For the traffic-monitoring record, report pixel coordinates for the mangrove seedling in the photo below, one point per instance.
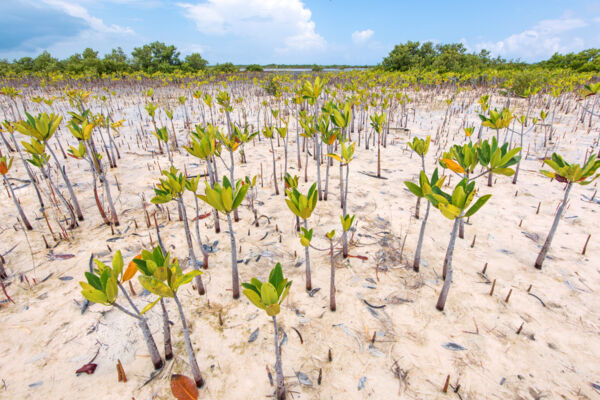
(5, 165)
(149, 262)
(172, 187)
(204, 146)
(565, 172)
(268, 296)
(421, 147)
(268, 132)
(422, 190)
(454, 207)
(162, 135)
(82, 130)
(496, 121)
(328, 136)
(303, 207)
(378, 122)
(292, 182)
(151, 110)
(103, 286)
(330, 235)
(462, 160)
(226, 199)
(39, 158)
(244, 136)
(43, 128)
(251, 196)
(163, 277)
(191, 184)
(346, 155)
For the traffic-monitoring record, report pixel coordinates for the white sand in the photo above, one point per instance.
(44, 337)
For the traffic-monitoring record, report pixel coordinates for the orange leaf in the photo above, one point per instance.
(121, 372)
(453, 165)
(183, 388)
(202, 216)
(131, 269)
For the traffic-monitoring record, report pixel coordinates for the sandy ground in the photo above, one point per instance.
(45, 338)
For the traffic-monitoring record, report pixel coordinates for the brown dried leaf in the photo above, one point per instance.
(183, 388)
(87, 368)
(121, 372)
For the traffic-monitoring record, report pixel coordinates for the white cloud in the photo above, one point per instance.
(194, 48)
(360, 37)
(540, 41)
(77, 11)
(287, 24)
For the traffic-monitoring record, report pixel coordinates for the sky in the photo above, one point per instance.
(295, 31)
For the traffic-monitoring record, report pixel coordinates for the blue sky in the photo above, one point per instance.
(296, 31)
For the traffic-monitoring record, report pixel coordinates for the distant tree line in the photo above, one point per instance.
(453, 57)
(160, 57)
(584, 61)
(150, 58)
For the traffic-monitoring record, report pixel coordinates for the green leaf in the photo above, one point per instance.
(141, 265)
(292, 206)
(240, 196)
(276, 275)
(268, 294)
(504, 171)
(449, 211)
(458, 197)
(149, 306)
(251, 287)
(161, 199)
(104, 278)
(509, 155)
(213, 198)
(272, 309)
(254, 298)
(112, 290)
(285, 292)
(160, 273)
(155, 286)
(95, 296)
(227, 198)
(187, 278)
(94, 280)
(117, 263)
(478, 204)
(416, 190)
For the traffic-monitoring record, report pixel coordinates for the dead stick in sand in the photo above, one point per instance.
(402, 248)
(585, 245)
(520, 329)
(508, 296)
(445, 388)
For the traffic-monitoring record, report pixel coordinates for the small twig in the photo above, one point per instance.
(508, 296)
(299, 335)
(541, 301)
(493, 286)
(445, 388)
(5, 292)
(270, 375)
(372, 306)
